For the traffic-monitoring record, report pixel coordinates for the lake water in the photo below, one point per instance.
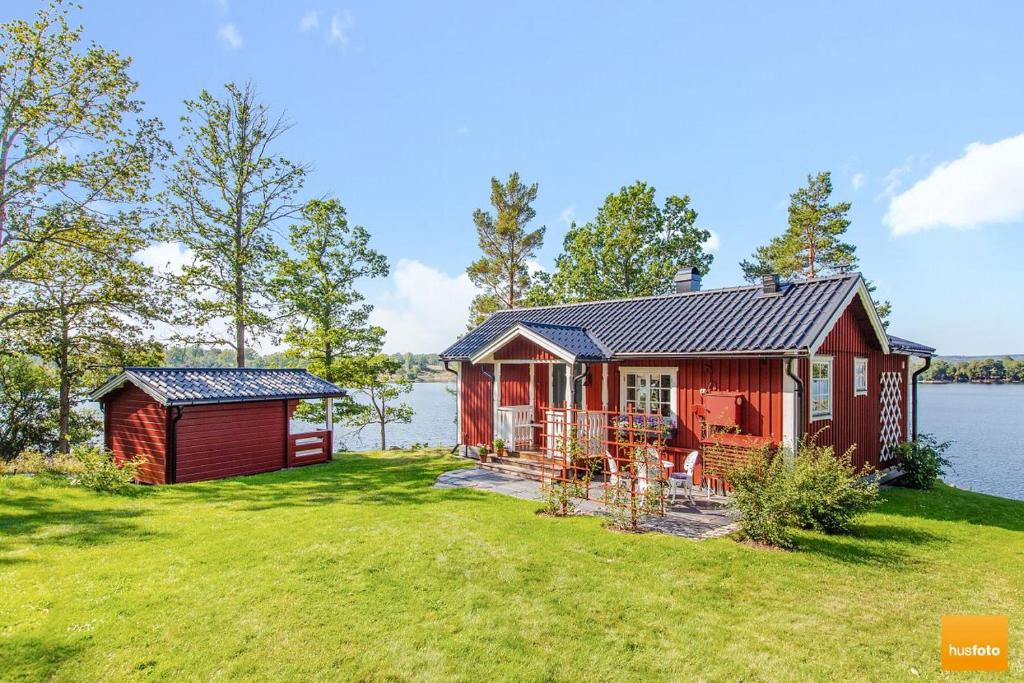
(986, 424)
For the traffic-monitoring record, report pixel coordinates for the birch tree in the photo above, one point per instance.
(228, 190)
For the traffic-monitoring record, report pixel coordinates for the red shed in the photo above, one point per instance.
(192, 424)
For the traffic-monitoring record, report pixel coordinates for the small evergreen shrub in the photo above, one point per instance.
(99, 471)
(828, 491)
(922, 461)
(762, 497)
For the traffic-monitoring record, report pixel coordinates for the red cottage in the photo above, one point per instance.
(194, 424)
(731, 368)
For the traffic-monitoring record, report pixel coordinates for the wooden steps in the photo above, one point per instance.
(523, 465)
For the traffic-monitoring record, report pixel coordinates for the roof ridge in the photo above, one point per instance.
(147, 368)
(734, 288)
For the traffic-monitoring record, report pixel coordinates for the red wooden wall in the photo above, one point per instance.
(758, 380)
(228, 439)
(515, 384)
(856, 420)
(136, 424)
(521, 348)
(477, 403)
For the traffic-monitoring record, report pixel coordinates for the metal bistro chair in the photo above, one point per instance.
(684, 478)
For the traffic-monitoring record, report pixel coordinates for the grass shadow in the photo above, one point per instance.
(873, 544)
(948, 504)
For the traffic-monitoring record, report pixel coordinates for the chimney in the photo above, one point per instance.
(770, 283)
(687, 280)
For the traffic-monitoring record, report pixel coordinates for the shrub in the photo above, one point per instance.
(101, 473)
(762, 496)
(499, 444)
(828, 491)
(922, 460)
(35, 462)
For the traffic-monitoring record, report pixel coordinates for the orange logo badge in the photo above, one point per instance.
(975, 643)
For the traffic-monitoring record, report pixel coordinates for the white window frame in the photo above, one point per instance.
(672, 372)
(860, 362)
(821, 414)
(579, 393)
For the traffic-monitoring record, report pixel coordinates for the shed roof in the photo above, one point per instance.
(191, 386)
(900, 345)
(731, 320)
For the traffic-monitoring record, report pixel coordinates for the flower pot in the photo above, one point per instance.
(483, 455)
(501, 452)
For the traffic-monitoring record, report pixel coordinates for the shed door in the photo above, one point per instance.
(891, 398)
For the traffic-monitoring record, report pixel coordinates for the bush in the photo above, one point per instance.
(922, 461)
(101, 473)
(35, 462)
(762, 495)
(828, 491)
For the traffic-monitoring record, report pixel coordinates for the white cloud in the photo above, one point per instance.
(568, 214)
(229, 37)
(713, 241)
(985, 185)
(424, 310)
(534, 266)
(165, 257)
(310, 21)
(341, 27)
(858, 180)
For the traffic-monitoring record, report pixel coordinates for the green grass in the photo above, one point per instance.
(360, 570)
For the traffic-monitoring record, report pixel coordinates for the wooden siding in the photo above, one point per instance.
(515, 384)
(136, 424)
(856, 420)
(229, 439)
(759, 381)
(477, 403)
(541, 372)
(521, 348)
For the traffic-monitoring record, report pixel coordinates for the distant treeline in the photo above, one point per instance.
(415, 367)
(1007, 369)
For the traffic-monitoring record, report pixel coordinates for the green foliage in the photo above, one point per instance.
(70, 138)
(995, 370)
(923, 461)
(99, 471)
(774, 490)
(329, 326)
(28, 404)
(829, 492)
(633, 247)
(57, 468)
(499, 443)
(227, 192)
(763, 496)
(506, 245)
(376, 379)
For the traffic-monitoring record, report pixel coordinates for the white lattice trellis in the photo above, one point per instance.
(892, 408)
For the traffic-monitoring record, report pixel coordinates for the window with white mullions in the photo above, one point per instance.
(860, 376)
(821, 388)
(649, 392)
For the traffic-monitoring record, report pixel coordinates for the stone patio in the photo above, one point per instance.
(702, 519)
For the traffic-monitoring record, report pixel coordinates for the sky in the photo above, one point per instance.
(406, 111)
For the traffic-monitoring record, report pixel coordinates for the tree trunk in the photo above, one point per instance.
(239, 343)
(64, 399)
(383, 438)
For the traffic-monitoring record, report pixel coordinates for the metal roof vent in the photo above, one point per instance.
(687, 280)
(770, 283)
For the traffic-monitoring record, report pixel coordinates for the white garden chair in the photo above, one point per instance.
(650, 468)
(686, 480)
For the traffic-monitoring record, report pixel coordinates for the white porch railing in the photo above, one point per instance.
(515, 426)
(591, 430)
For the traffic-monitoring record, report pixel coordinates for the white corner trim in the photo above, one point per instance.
(790, 428)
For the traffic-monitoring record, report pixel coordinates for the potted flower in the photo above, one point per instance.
(499, 447)
(481, 450)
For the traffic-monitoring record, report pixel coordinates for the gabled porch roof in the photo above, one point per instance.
(569, 343)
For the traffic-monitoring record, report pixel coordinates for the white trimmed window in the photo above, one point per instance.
(559, 385)
(649, 390)
(860, 376)
(821, 388)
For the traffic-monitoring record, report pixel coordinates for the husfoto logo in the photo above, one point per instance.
(975, 643)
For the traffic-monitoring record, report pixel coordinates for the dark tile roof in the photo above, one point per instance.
(901, 345)
(713, 321)
(576, 340)
(187, 386)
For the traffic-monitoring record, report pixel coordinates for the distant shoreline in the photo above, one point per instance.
(971, 381)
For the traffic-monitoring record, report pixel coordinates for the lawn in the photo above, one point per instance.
(360, 570)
